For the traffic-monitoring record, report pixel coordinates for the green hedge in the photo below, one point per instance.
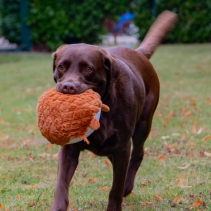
(10, 20)
(194, 23)
(63, 21)
(55, 22)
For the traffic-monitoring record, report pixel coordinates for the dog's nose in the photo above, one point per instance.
(69, 88)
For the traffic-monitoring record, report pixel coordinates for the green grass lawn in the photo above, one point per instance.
(175, 173)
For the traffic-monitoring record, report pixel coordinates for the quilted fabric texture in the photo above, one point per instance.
(62, 117)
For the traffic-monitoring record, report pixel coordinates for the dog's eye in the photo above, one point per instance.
(88, 69)
(61, 68)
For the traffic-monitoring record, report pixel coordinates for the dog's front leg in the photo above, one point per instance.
(67, 163)
(120, 160)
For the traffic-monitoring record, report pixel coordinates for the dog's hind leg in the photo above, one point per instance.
(141, 132)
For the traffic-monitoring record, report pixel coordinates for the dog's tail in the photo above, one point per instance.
(162, 25)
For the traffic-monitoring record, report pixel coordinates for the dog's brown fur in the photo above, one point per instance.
(129, 85)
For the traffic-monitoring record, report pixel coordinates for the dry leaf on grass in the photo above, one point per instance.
(194, 128)
(208, 154)
(185, 186)
(170, 114)
(105, 188)
(158, 198)
(196, 203)
(107, 163)
(92, 180)
(182, 181)
(70, 204)
(143, 185)
(183, 136)
(1, 206)
(29, 186)
(32, 204)
(146, 203)
(163, 123)
(49, 156)
(206, 138)
(5, 138)
(188, 113)
(49, 147)
(27, 142)
(184, 167)
(177, 199)
(18, 197)
(161, 158)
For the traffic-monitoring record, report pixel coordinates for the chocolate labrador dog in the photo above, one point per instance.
(129, 85)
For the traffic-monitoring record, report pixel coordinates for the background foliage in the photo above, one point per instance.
(55, 22)
(10, 20)
(194, 25)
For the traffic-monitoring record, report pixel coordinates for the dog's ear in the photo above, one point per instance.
(110, 65)
(54, 56)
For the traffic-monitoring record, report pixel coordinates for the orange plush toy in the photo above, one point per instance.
(66, 118)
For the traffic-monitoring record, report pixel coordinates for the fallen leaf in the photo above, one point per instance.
(184, 167)
(49, 147)
(92, 180)
(182, 181)
(197, 203)
(158, 198)
(185, 186)
(170, 114)
(200, 130)
(191, 144)
(208, 154)
(146, 203)
(161, 158)
(27, 142)
(183, 137)
(105, 188)
(206, 138)
(1, 206)
(158, 113)
(107, 163)
(188, 113)
(163, 123)
(143, 185)
(30, 186)
(177, 199)
(194, 128)
(5, 138)
(45, 155)
(31, 159)
(55, 156)
(32, 204)
(18, 197)
(32, 129)
(70, 203)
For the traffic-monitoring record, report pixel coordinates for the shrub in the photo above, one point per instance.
(55, 22)
(10, 20)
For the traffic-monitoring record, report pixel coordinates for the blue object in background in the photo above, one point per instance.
(126, 17)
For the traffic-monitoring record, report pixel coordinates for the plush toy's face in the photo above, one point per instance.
(79, 67)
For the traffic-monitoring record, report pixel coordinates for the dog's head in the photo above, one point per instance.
(78, 67)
